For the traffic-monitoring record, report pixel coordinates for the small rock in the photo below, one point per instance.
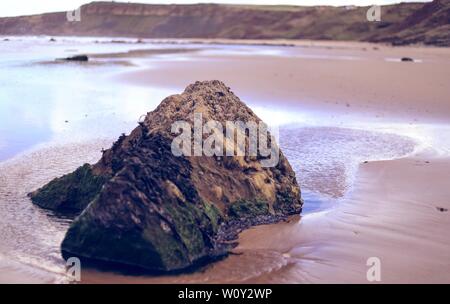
(77, 58)
(440, 209)
(407, 59)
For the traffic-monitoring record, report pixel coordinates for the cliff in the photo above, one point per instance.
(401, 23)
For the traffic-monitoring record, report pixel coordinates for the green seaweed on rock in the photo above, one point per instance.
(73, 191)
(242, 209)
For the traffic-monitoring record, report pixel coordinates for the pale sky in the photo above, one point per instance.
(28, 7)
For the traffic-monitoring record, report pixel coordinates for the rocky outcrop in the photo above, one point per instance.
(150, 208)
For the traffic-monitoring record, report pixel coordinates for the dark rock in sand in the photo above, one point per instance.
(82, 58)
(407, 59)
(154, 210)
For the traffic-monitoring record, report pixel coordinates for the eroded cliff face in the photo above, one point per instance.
(429, 24)
(401, 23)
(157, 210)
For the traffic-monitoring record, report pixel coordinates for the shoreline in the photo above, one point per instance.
(42, 261)
(239, 42)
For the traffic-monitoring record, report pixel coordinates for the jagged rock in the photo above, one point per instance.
(72, 192)
(162, 212)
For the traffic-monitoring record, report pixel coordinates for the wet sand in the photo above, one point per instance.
(397, 210)
(395, 214)
(139, 53)
(31, 236)
(337, 78)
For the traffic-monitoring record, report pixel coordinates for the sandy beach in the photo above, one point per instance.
(333, 77)
(396, 210)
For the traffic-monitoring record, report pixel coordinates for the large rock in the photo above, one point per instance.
(155, 210)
